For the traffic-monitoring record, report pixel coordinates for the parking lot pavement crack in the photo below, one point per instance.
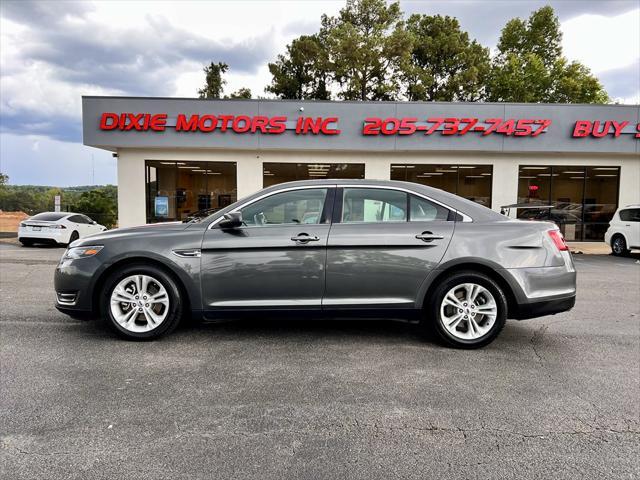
(536, 339)
(381, 430)
(20, 451)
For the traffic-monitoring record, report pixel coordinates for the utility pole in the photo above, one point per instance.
(93, 171)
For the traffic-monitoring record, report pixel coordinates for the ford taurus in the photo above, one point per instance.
(329, 247)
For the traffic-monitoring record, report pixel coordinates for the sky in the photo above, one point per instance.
(53, 52)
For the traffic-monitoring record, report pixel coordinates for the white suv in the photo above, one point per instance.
(624, 230)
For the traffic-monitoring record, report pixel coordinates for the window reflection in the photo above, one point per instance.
(176, 190)
(581, 200)
(275, 173)
(469, 181)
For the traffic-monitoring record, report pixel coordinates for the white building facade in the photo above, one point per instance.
(179, 156)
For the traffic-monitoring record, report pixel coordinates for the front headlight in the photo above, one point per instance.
(82, 252)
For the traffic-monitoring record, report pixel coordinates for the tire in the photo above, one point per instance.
(468, 327)
(74, 236)
(26, 242)
(619, 246)
(140, 325)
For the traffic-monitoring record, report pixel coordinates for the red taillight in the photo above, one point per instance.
(558, 240)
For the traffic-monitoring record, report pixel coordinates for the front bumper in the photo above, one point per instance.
(74, 282)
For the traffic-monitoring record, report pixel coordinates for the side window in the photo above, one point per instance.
(294, 207)
(76, 219)
(630, 215)
(86, 219)
(373, 205)
(422, 210)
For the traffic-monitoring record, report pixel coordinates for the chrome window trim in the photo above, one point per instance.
(249, 202)
(465, 217)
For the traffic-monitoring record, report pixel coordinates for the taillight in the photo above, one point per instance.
(58, 226)
(22, 224)
(558, 240)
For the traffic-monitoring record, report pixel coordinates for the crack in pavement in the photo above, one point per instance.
(377, 428)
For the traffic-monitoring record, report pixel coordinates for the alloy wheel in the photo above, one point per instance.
(139, 303)
(618, 246)
(468, 311)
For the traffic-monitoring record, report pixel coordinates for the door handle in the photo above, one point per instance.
(428, 237)
(304, 238)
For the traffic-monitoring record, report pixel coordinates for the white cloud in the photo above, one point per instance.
(52, 53)
(603, 43)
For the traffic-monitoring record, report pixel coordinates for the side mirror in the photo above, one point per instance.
(93, 222)
(231, 220)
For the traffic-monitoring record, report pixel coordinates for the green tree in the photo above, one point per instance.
(444, 64)
(240, 93)
(367, 44)
(214, 83)
(303, 72)
(530, 67)
(99, 204)
(4, 179)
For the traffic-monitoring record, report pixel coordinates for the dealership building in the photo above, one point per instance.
(578, 163)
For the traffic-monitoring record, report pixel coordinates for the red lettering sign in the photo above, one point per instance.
(599, 129)
(133, 121)
(372, 126)
(455, 126)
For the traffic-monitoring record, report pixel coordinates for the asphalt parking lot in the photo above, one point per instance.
(556, 397)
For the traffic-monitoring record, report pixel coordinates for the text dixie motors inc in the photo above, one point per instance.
(243, 124)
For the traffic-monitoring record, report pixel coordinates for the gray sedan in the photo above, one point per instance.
(326, 247)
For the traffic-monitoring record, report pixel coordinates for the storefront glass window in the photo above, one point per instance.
(581, 200)
(177, 190)
(469, 181)
(275, 173)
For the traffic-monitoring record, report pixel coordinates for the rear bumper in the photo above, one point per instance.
(542, 291)
(540, 309)
(50, 235)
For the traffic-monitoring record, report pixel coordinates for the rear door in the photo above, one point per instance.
(630, 223)
(383, 244)
(80, 225)
(276, 260)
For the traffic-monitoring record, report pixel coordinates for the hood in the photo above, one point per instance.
(149, 229)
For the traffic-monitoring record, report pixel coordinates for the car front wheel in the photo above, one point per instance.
(619, 246)
(468, 310)
(141, 302)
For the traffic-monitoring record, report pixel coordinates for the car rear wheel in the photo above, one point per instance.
(74, 236)
(141, 302)
(467, 310)
(619, 246)
(26, 242)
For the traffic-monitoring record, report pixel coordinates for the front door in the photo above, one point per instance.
(382, 246)
(276, 259)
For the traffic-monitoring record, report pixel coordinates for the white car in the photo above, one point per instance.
(57, 227)
(623, 234)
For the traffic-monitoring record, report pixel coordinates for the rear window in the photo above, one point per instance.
(49, 216)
